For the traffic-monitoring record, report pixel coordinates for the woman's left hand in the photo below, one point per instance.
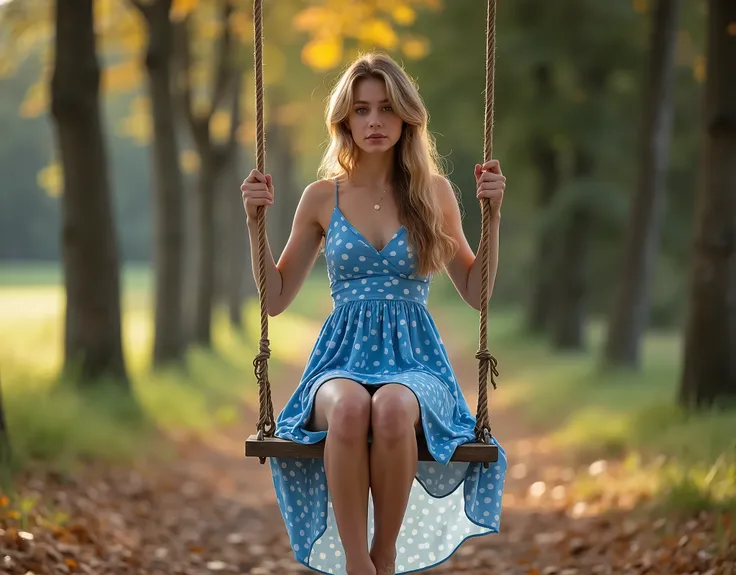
(491, 184)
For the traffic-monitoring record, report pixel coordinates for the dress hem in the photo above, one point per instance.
(489, 531)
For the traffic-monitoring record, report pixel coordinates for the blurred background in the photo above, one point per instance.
(126, 294)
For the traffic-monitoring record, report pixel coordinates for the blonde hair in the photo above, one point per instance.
(417, 160)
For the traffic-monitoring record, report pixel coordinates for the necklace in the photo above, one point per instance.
(377, 205)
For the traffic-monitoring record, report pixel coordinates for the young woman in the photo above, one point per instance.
(379, 372)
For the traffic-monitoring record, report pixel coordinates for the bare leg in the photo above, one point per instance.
(393, 464)
(343, 408)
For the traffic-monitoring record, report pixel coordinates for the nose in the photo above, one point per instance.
(374, 122)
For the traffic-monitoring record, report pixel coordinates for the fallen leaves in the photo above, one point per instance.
(210, 511)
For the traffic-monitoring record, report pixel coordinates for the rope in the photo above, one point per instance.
(266, 422)
(486, 362)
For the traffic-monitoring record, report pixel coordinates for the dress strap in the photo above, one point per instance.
(335, 192)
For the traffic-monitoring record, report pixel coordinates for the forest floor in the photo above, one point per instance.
(210, 510)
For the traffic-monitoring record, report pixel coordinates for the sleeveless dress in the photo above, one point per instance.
(380, 331)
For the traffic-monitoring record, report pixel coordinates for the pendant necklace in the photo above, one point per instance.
(377, 206)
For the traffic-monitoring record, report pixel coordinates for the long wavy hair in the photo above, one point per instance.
(416, 159)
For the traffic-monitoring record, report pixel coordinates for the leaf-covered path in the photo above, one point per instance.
(209, 510)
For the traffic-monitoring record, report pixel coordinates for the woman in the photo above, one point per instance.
(379, 372)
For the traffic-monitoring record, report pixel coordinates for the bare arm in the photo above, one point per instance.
(465, 268)
(283, 280)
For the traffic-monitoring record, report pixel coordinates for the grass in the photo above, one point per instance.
(53, 423)
(686, 460)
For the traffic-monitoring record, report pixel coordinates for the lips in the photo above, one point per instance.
(376, 137)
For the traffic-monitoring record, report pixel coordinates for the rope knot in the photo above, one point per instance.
(260, 362)
(488, 364)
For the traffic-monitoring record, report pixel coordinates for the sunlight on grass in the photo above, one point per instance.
(51, 422)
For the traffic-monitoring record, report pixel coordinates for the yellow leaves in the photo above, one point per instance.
(403, 15)
(373, 24)
(189, 161)
(415, 48)
(242, 26)
(181, 8)
(323, 53)
(36, 100)
(314, 18)
(220, 126)
(137, 124)
(126, 75)
(378, 33)
(731, 29)
(51, 179)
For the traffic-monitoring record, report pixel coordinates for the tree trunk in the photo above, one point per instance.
(630, 313)
(238, 254)
(205, 250)
(543, 281)
(709, 367)
(568, 326)
(281, 215)
(93, 346)
(224, 199)
(169, 343)
(546, 162)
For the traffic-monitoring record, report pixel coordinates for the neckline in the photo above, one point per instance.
(357, 232)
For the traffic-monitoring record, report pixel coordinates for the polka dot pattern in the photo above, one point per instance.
(380, 331)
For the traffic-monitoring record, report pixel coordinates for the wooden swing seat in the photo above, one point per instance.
(275, 447)
(263, 445)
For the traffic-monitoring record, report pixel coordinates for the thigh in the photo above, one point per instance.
(330, 394)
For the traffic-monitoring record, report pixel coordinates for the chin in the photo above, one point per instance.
(377, 147)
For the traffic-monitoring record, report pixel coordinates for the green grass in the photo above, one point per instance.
(51, 422)
(687, 460)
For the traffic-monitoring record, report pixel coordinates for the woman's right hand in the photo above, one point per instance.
(257, 190)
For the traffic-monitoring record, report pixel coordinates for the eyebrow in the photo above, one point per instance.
(364, 102)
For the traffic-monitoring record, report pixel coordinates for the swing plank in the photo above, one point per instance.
(275, 447)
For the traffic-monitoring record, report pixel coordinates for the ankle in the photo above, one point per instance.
(362, 567)
(384, 558)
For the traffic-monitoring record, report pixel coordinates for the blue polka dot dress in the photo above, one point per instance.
(380, 331)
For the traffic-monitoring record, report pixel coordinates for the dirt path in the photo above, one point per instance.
(212, 511)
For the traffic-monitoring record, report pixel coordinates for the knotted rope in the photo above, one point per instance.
(266, 422)
(487, 364)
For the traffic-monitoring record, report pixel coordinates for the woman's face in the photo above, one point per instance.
(373, 124)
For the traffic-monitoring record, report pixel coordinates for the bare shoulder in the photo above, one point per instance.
(319, 190)
(317, 201)
(444, 192)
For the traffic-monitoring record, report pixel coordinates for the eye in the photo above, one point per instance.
(388, 109)
(361, 110)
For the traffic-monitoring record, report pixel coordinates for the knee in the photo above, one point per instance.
(394, 415)
(350, 418)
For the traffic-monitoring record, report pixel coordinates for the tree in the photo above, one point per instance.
(213, 155)
(709, 362)
(547, 162)
(168, 188)
(630, 312)
(89, 244)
